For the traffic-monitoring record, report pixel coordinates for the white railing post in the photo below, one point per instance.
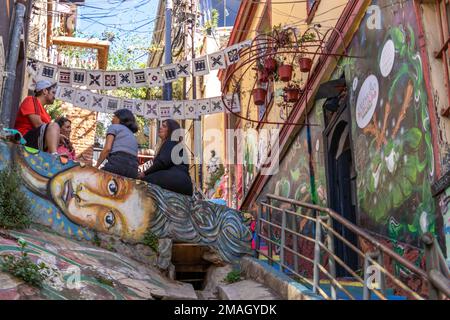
(380, 261)
(295, 238)
(258, 231)
(283, 239)
(331, 261)
(316, 274)
(269, 229)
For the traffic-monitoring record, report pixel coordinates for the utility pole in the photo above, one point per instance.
(197, 122)
(11, 64)
(168, 47)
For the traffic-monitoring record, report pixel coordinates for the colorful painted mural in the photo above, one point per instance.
(83, 272)
(76, 200)
(294, 181)
(444, 203)
(391, 125)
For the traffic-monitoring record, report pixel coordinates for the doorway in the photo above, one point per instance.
(341, 177)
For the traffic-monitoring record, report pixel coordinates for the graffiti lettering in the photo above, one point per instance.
(374, 20)
(374, 277)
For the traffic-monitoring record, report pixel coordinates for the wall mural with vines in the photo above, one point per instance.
(293, 181)
(391, 125)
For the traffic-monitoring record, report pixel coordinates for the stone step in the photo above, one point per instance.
(246, 290)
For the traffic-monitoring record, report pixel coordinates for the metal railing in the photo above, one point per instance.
(282, 225)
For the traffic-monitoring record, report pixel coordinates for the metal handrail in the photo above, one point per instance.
(436, 278)
(355, 229)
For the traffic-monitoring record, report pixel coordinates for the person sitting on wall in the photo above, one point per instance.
(164, 172)
(34, 123)
(121, 147)
(66, 148)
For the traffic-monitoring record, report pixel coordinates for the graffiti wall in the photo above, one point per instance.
(444, 203)
(390, 124)
(294, 181)
(81, 271)
(76, 200)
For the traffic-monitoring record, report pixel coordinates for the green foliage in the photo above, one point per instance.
(151, 240)
(15, 210)
(309, 36)
(212, 24)
(100, 131)
(23, 268)
(96, 240)
(104, 281)
(233, 276)
(54, 110)
(215, 177)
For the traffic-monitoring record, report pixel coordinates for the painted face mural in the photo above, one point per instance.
(100, 201)
(77, 200)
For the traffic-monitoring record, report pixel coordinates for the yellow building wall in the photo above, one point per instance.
(293, 14)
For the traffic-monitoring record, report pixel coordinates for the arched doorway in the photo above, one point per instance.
(341, 178)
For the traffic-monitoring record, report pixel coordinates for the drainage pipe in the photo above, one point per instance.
(11, 64)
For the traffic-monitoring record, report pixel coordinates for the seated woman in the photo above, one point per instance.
(121, 147)
(66, 148)
(164, 172)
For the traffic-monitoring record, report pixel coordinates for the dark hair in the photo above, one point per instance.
(41, 92)
(61, 121)
(127, 119)
(172, 125)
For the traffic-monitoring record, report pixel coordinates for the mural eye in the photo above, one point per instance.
(110, 220)
(112, 187)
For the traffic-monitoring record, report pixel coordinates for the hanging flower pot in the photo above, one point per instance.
(291, 94)
(305, 64)
(259, 96)
(285, 72)
(270, 64)
(263, 77)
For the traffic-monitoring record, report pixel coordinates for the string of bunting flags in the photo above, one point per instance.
(149, 77)
(149, 109)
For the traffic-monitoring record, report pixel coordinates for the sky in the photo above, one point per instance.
(126, 18)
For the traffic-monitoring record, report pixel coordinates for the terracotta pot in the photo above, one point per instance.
(259, 96)
(291, 94)
(270, 64)
(285, 72)
(263, 77)
(305, 64)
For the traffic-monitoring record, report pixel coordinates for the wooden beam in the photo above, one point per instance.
(102, 47)
(49, 23)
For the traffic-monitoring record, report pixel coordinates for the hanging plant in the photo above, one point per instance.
(292, 92)
(285, 72)
(263, 77)
(291, 95)
(270, 64)
(305, 64)
(259, 96)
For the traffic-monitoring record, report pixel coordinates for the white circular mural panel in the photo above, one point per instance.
(367, 101)
(387, 58)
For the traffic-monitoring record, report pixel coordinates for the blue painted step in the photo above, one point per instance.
(358, 292)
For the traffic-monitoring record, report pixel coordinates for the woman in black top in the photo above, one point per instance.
(164, 172)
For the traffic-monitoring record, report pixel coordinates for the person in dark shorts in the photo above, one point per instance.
(33, 121)
(165, 172)
(121, 147)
